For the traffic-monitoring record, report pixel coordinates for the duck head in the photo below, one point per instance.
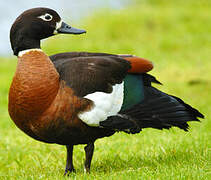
(36, 24)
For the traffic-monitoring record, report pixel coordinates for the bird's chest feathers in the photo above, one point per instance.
(34, 85)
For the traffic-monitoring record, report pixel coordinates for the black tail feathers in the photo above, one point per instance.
(157, 110)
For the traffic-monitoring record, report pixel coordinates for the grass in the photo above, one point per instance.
(176, 37)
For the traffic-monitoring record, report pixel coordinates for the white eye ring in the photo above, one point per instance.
(46, 17)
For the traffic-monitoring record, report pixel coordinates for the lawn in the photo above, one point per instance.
(176, 36)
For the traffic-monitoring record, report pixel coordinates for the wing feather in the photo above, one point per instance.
(92, 72)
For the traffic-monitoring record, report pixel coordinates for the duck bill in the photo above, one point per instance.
(66, 29)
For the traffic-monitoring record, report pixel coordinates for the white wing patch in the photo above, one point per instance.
(105, 105)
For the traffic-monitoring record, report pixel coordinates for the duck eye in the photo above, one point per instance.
(46, 17)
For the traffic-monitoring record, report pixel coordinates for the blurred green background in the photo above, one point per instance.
(176, 36)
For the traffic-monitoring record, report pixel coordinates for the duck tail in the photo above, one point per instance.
(158, 110)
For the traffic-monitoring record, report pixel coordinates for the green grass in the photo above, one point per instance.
(176, 36)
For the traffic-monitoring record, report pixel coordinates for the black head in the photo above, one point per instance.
(36, 24)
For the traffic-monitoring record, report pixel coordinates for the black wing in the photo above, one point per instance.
(87, 73)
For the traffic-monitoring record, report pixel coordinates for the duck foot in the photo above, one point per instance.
(69, 171)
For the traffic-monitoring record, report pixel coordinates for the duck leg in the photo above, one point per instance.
(69, 162)
(89, 150)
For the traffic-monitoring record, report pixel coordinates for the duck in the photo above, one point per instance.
(76, 98)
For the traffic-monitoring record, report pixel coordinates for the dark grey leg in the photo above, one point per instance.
(69, 162)
(89, 150)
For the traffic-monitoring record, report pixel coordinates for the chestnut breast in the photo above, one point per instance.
(34, 86)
